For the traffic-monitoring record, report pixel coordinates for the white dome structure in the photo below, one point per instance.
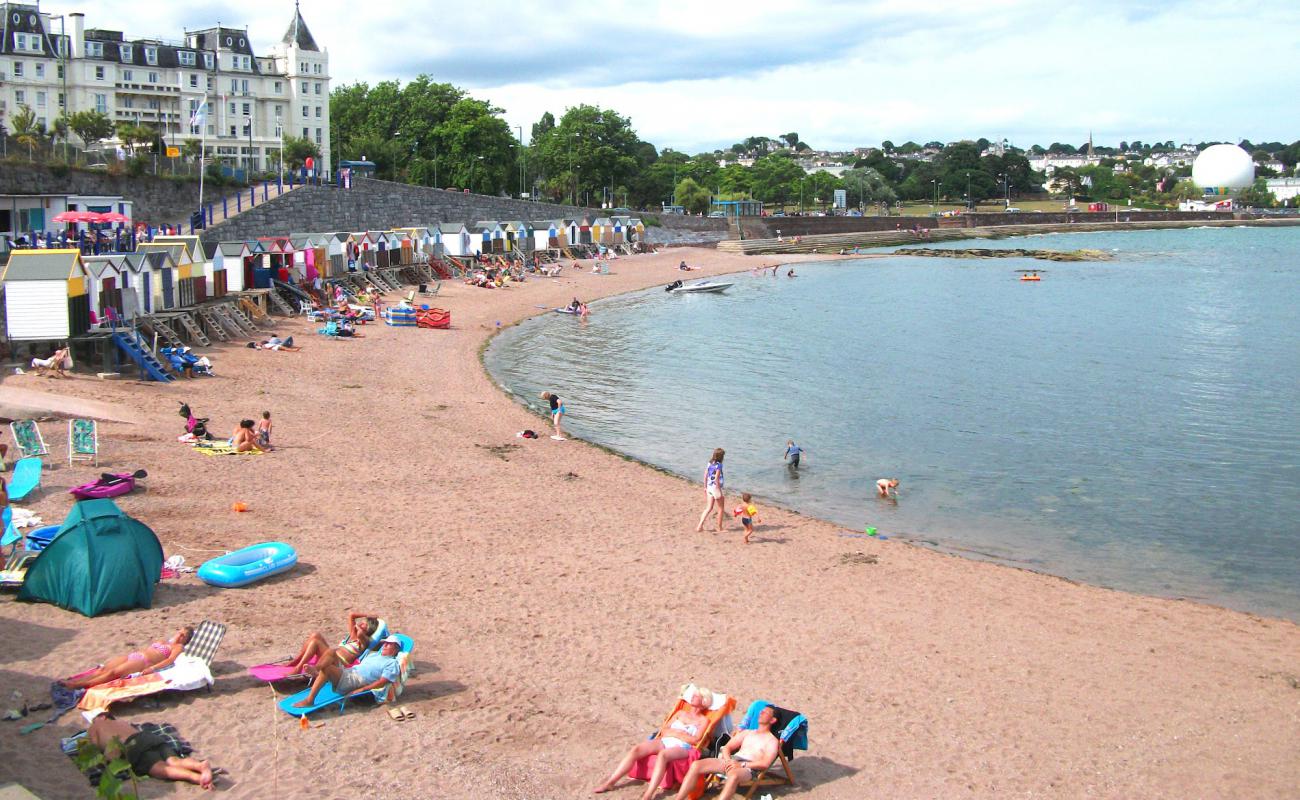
(1223, 169)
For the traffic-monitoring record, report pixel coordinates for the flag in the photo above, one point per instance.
(200, 116)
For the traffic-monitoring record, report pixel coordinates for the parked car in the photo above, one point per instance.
(717, 215)
(1013, 210)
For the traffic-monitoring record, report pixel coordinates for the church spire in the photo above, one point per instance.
(297, 34)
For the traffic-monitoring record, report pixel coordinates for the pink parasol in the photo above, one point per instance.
(112, 216)
(76, 216)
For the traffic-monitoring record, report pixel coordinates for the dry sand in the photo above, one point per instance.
(558, 595)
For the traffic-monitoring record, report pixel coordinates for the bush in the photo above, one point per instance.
(59, 169)
(651, 221)
(136, 166)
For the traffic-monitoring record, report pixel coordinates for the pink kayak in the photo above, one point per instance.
(110, 484)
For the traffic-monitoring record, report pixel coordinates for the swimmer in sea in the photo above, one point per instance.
(885, 486)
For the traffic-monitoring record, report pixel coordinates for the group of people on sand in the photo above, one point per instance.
(351, 668)
(252, 436)
(716, 500)
(745, 756)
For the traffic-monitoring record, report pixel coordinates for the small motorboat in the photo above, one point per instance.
(702, 287)
(110, 484)
(565, 310)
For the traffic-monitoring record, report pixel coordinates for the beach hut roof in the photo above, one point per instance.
(159, 259)
(99, 266)
(210, 250)
(256, 247)
(233, 248)
(178, 252)
(43, 265)
(193, 244)
(300, 242)
(602, 221)
(451, 227)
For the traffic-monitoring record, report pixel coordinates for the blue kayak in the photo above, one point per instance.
(250, 564)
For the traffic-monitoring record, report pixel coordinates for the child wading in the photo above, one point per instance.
(748, 513)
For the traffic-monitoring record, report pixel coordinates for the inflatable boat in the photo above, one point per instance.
(250, 564)
(110, 484)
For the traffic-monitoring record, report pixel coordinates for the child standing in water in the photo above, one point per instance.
(886, 485)
(557, 412)
(748, 513)
(264, 431)
(793, 453)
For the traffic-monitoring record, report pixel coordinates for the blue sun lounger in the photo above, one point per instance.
(328, 697)
(27, 477)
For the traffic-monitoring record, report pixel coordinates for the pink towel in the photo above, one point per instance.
(645, 767)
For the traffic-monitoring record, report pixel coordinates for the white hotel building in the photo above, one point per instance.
(53, 64)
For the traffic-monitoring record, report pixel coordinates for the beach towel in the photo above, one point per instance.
(186, 673)
(644, 768)
(223, 449)
(795, 731)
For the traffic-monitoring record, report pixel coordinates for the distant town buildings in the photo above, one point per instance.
(53, 63)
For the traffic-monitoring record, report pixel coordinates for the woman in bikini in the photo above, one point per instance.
(676, 738)
(153, 658)
(361, 627)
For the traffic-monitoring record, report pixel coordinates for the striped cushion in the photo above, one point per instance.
(205, 641)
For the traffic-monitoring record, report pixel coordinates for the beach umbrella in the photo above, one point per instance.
(75, 216)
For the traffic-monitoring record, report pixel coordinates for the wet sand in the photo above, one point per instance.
(558, 596)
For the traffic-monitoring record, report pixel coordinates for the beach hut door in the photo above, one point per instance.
(168, 299)
(147, 297)
(110, 297)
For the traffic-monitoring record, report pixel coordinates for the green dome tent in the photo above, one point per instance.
(100, 560)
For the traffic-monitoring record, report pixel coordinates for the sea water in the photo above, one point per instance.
(1133, 423)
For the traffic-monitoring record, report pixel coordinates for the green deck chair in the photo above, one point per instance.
(83, 441)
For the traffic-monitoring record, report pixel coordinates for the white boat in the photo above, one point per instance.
(702, 287)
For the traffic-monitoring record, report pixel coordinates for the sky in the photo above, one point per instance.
(696, 76)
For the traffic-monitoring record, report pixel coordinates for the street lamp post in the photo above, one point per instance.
(801, 197)
(521, 161)
(935, 204)
(250, 146)
(279, 132)
(968, 197)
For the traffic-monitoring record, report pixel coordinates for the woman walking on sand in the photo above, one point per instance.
(713, 483)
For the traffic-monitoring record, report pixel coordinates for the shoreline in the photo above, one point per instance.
(922, 540)
(558, 596)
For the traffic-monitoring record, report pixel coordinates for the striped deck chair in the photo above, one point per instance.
(28, 437)
(83, 441)
(791, 729)
(191, 670)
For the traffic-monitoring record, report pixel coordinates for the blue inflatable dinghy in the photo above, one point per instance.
(250, 564)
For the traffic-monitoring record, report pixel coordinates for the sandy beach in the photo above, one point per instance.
(558, 596)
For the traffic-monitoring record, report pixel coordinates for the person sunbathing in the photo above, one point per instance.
(676, 738)
(747, 754)
(360, 628)
(244, 440)
(276, 343)
(147, 752)
(54, 362)
(153, 658)
(373, 672)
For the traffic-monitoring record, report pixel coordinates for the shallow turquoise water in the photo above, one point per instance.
(1132, 423)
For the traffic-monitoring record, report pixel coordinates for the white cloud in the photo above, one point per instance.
(693, 75)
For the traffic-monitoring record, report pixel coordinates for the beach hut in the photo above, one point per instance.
(46, 295)
(435, 242)
(456, 239)
(338, 247)
(137, 285)
(584, 231)
(104, 284)
(257, 266)
(228, 265)
(568, 232)
(190, 289)
(635, 229)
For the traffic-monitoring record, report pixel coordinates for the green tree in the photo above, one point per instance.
(191, 149)
(479, 147)
(692, 196)
(588, 150)
(865, 187)
(1258, 195)
(91, 127)
(773, 176)
(791, 139)
(1187, 190)
(543, 126)
(27, 130)
(297, 150)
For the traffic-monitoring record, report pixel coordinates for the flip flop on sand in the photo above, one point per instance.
(558, 438)
(407, 714)
(396, 714)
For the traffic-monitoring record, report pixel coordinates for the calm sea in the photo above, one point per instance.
(1132, 423)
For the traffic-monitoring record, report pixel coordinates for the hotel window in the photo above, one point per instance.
(234, 131)
(243, 86)
(317, 88)
(60, 45)
(212, 84)
(207, 60)
(124, 51)
(186, 58)
(128, 75)
(234, 84)
(279, 111)
(18, 69)
(153, 103)
(63, 101)
(306, 132)
(245, 108)
(318, 139)
(304, 86)
(58, 72)
(151, 56)
(40, 70)
(94, 49)
(40, 99)
(153, 77)
(279, 87)
(212, 130)
(246, 130)
(317, 112)
(128, 102)
(194, 81)
(99, 73)
(101, 103)
(232, 109)
(20, 97)
(304, 111)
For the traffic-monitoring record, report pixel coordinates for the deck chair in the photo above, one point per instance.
(28, 438)
(83, 441)
(283, 670)
(331, 329)
(328, 698)
(425, 291)
(26, 478)
(719, 720)
(15, 569)
(409, 299)
(791, 729)
(191, 670)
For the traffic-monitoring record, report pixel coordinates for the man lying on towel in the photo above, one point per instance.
(746, 755)
(373, 672)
